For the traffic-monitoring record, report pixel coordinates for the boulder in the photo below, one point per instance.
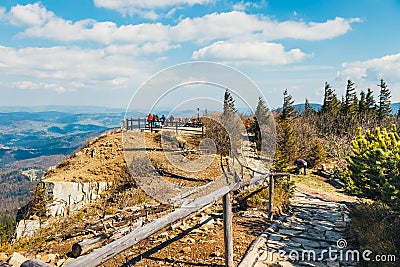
(16, 259)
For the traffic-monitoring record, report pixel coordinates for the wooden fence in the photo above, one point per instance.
(112, 249)
(155, 126)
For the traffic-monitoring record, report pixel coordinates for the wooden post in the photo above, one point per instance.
(228, 240)
(138, 123)
(271, 198)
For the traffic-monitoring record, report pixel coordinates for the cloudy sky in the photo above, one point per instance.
(98, 52)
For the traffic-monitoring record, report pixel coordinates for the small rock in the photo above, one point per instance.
(38, 256)
(214, 254)
(16, 259)
(190, 240)
(186, 250)
(163, 235)
(4, 257)
(60, 262)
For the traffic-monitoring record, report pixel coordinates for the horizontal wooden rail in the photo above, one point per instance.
(112, 249)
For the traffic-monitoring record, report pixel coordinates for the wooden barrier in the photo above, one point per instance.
(143, 125)
(112, 249)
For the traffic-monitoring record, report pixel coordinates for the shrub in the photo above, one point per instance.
(374, 167)
(376, 228)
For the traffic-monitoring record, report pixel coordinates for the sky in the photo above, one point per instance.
(99, 52)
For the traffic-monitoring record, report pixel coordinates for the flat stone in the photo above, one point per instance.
(332, 236)
(323, 228)
(275, 237)
(289, 232)
(331, 263)
(312, 264)
(292, 244)
(306, 242)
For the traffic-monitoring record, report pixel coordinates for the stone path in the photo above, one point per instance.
(313, 234)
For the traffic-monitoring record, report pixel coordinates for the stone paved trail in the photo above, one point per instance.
(313, 226)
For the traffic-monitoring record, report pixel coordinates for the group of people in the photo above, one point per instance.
(156, 121)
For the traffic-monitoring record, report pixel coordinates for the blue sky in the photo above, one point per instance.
(98, 52)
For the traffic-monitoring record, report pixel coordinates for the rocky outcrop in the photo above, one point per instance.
(69, 196)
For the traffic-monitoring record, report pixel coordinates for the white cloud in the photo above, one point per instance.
(233, 25)
(30, 15)
(368, 73)
(140, 7)
(261, 53)
(387, 67)
(71, 68)
(28, 85)
(239, 6)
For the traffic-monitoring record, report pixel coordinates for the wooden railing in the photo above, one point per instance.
(156, 125)
(114, 248)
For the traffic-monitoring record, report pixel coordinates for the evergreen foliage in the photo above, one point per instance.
(7, 226)
(317, 154)
(370, 101)
(229, 104)
(308, 109)
(331, 103)
(384, 109)
(350, 103)
(374, 167)
(288, 110)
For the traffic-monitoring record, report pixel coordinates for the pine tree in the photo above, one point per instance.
(362, 104)
(374, 167)
(308, 109)
(229, 104)
(350, 102)
(370, 101)
(331, 103)
(262, 112)
(286, 142)
(317, 153)
(288, 110)
(384, 109)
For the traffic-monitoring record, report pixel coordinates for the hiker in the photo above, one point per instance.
(301, 163)
(162, 120)
(149, 119)
(247, 125)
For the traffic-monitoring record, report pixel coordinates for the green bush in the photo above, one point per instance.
(374, 167)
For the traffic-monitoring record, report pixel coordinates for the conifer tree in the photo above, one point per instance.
(331, 103)
(384, 109)
(262, 111)
(370, 101)
(308, 109)
(287, 144)
(350, 102)
(362, 104)
(374, 167)
(288, 110)
(229, 104)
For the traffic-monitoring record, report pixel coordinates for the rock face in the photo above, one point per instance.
(26, 228)
(70, 196)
